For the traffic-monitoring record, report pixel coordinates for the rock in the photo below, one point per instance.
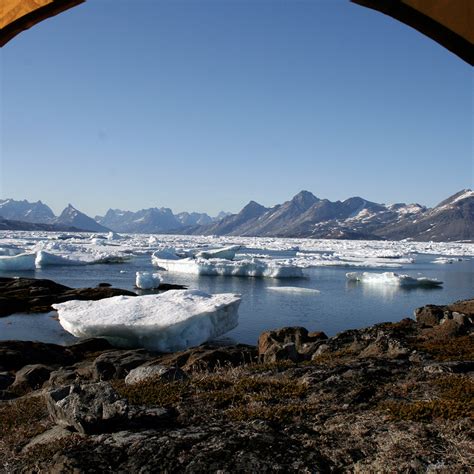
(104, 285)
(429, 315)
(273, 345)
(147, 372)
(91, 408)
(31, 377)
(6, 379)
(455, 367)
(16, 354)
(89, 346)
(62, 377)
(117, 364)
(211, 356)
(37, 295)
(56, 433)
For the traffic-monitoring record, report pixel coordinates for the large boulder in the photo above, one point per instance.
(91, 408)
(31, 377)
(37, 295)
(118, 363)
(289, 343)
(16, 354)
(154, 372)
(210, 356)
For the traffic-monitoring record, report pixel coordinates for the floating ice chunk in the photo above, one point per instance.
(221, 267)
(170, 321)
(390, 278)
(227, 253)
(113, 236)
(21, 262)
(445, 260)
(293, 289)
(147, 280)
(46, 259)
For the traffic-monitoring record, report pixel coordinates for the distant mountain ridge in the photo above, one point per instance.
(305, 215)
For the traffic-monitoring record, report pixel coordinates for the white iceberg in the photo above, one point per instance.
(227, 253)
(391, 278)
(147, 280)
(221, 267)
(45, 259)
(167, 322)
(293, 289)
(21, 262)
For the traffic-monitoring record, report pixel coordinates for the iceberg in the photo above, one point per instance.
(222, 267)
(391, 278)
(293, 289)
(147, 280)
(167, 322)
(227, 253)
(46, 259)
(21, 262)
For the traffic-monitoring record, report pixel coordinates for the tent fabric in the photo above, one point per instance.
(448, 22)
(19, 15)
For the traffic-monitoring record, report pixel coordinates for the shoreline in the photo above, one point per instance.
(389, 397)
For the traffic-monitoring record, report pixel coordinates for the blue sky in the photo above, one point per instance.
(206, 104)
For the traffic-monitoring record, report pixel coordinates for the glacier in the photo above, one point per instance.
(167, 322)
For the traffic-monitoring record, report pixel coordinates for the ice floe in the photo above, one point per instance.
(293, 289)
(21, 262)
(391, 278)
(167, 322)
(147, 280)
(222, 267)
(227, 253)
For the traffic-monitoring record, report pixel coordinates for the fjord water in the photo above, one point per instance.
(339, 305)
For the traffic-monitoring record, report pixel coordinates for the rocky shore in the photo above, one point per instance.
(394, 397)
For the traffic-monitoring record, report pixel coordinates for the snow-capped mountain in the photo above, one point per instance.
(304, 215)
(74, 218)
(25, 211)
(355, 218)
(153, 220)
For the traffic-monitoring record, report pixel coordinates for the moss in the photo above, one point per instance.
(275, 413)
(454, 399)
(21, 420)
(449, 349)
(152, 392)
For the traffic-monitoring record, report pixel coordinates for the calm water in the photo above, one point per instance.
(340, 305)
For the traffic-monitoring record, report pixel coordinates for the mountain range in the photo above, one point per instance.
(305, 215)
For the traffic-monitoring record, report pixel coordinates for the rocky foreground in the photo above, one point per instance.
(395, 397)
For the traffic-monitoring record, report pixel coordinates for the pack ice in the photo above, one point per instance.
(251, 267)
(167, 322)
(391, 278)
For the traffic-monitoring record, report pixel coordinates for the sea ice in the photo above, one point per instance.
(293, 289)
(21, 262)
(147, 280)
(221, 267)
(167, 322)
(390, 278)
(227, 253)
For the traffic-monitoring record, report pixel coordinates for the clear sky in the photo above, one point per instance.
(206, 104)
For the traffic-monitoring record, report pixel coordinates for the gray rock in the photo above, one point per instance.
(148, 372)
(117, 364)
(6, 380)
(56, 433)
(91, 408)
(31, 377)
